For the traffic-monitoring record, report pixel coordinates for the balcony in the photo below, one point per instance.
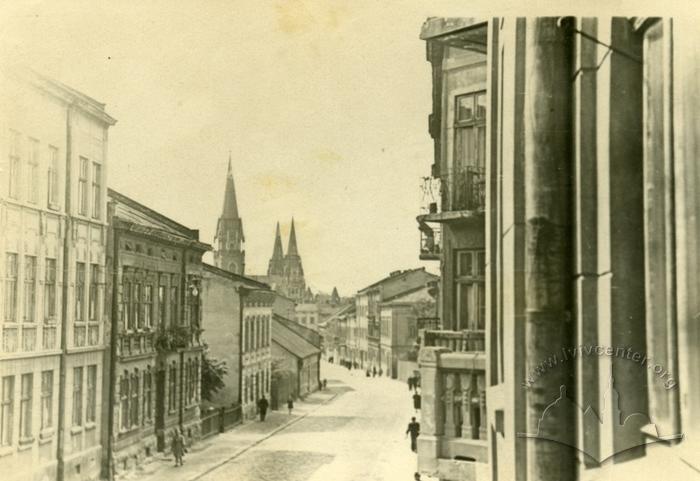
(431, 323)
(454, 196)
(135, 344)
(456, 341)
(453, 408)
(430, 243)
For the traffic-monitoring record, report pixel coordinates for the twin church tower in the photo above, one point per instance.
(285, 273)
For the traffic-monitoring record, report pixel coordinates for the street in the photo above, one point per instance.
(357, 436)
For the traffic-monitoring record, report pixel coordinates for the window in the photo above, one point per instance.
(147, 396)
(25, 406)
(134, 405)
(468, 171)
(33, 172)
(6, 411)
(29, 288)
(470, 303)
(82, 187)
(124, 401)
(161, 304)
(127, 319)
(172, 390)
(79, 291)
(94, 292)
(137, 300)
(96, 190)
(50, 291)
(52, 194)
(91, 408)
(11, 287)
(77, 396)
(46, 399)
(187, 381)
(148, 306)
(173, 302)
(15, 164)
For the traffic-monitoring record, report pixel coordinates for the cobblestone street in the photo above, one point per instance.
(357, 436)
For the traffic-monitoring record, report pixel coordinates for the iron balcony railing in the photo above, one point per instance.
(456, 341)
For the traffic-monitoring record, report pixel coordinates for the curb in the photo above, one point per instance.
(258, 441)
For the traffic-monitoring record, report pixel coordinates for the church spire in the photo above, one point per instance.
(230, 210)
(228, 252)
(277, 252)
(292, 246)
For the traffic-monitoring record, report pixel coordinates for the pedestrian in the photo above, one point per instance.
(410, 383)
(368, 373)
(290, 404)
(178, 447)
(380, 372)
(416, 402)
(374, 371)
(416, 477)
(324, 383)
(262, 407)
(414, 431)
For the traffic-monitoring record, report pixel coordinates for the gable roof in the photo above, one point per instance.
(309, 334)
(291, 341)
(393, 277)
(235, 277)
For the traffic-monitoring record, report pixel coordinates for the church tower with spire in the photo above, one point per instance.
(276, 266)
(228, 243)
(294, 271)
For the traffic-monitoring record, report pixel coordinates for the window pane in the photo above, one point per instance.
(25, 407)
(465, 108)
(50, 290)
(11, 287)
(6, 413)
(465, 263)
(53, 176)
(79, 291)
(481, 106)
(78, 396)
(91, 394)
(463, 305)
(29, 288)
(46, 399)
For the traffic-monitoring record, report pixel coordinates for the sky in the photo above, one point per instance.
(323, 105)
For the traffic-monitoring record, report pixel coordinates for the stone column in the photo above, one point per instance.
(481, 389)
(449, 398)
(432, 415)
(466, 385)
(548, 250)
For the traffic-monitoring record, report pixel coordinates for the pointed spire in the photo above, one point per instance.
(292, 246)
(230, 210)
(277, 252)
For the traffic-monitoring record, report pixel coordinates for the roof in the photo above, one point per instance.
(291, 341)
(309, 334)
(395, 276)
(62, 91)
(233, 276)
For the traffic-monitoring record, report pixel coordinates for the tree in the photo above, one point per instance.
(213, 373)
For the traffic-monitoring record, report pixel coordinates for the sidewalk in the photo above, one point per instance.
(207, 455)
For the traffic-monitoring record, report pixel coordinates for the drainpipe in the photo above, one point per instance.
(114, 332)
(549, 251)
(67, 240)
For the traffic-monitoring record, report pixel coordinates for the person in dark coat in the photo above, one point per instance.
(324, 384)
(178, 446)
(414, 431)
(410, 383)
(416, 402)
(290, 404)
(262, 407)
(374, 371)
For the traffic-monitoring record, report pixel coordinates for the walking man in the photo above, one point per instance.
(416, 402)
(290, 404)
(414, 431)
(262, 407)
(178, 446)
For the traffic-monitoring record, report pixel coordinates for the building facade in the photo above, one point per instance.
(222, 316)
(52, 262)
(256, 359)
(590, 237)
(368, 306)
(296, 353)
(155, 359)
(229, 253)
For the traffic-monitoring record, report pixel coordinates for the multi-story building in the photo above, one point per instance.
(53, 230)
(223, 315)
(308, 314)
(296, 352)
(155, 283)
(229, 241)
(590, 238)
(400, 318)
(256, 359)
(368, 305)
